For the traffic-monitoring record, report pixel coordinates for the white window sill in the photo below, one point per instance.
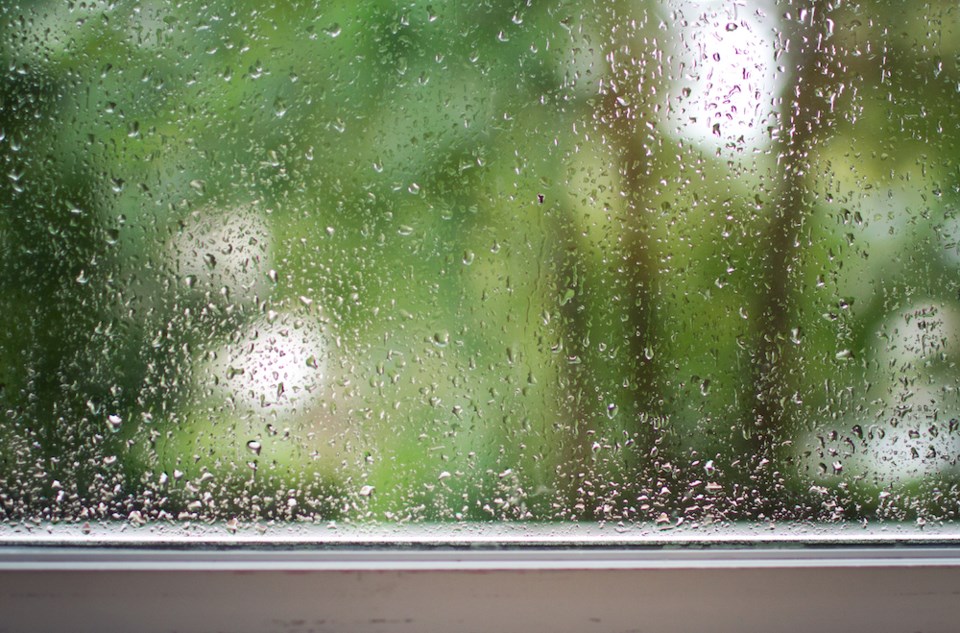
(877, 581)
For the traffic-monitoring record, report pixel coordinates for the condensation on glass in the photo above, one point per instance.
(662, 264)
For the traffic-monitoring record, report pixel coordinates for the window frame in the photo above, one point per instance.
(884, 578)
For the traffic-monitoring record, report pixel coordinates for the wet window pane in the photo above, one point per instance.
(658, 264)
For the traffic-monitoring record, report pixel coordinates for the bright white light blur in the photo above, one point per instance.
(909, 452)
(726, 81)
(903, 436)
(274, 364)
(921, 332)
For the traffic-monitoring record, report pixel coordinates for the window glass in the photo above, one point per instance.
(662, 264)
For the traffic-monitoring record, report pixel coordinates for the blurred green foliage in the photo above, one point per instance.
(619, 261)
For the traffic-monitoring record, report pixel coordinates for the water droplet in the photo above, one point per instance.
(115, 422)
(254, 446)
(333, 30)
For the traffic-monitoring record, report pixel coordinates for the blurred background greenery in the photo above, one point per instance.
(648, 262)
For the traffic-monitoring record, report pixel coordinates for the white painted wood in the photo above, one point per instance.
(546, 590)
